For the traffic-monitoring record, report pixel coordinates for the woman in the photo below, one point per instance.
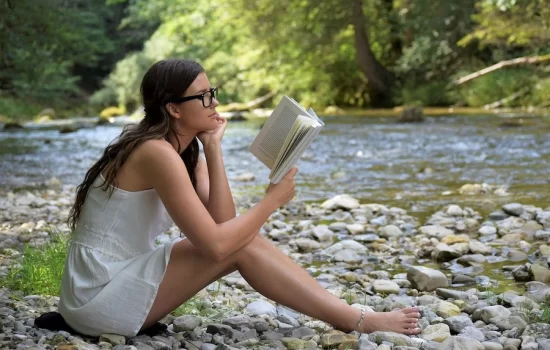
(117, 281)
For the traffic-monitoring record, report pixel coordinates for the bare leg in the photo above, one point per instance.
(274, 275)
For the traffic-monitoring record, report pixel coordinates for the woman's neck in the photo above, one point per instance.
(181, 139)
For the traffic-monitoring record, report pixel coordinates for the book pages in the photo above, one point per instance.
(286, 134)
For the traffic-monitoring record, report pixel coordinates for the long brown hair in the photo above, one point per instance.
(163, 81)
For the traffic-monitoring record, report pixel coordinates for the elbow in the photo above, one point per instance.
(218, 252)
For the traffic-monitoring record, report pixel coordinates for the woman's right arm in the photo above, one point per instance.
(162, 167)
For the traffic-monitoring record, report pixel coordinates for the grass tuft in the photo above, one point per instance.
(40, 269)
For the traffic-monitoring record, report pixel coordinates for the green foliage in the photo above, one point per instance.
(427, 94)
(40, 269)
(303, 48)
(498, 85)
(15, 109)
(521, 23)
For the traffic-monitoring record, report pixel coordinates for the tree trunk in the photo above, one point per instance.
(380, 80)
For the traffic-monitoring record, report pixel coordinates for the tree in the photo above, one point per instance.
(380, 80)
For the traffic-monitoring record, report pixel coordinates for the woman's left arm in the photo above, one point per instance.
(220, 200)
(212, 184)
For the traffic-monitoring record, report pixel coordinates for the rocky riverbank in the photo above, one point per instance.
(481, 282)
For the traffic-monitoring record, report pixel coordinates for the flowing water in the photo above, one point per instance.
(418, 167)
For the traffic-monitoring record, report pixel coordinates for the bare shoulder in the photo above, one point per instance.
(152, 147)
(155, 151)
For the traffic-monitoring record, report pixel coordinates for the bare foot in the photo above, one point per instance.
(403, 321)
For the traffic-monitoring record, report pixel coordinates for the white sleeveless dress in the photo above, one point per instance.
(113, 268)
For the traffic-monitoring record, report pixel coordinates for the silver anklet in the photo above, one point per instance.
(360, 320)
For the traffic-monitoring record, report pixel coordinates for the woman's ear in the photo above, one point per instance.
(172, 109)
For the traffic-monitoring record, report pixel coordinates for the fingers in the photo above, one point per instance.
(292, 173)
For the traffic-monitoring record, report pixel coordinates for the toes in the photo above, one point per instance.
(410, 310)
(413, 331)
(412, 315)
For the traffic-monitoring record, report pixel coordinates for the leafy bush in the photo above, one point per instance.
(15, 109)
(427, 94)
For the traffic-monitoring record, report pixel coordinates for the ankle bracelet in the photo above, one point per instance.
(360, 320)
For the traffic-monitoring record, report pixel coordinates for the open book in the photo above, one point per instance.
(285, 136)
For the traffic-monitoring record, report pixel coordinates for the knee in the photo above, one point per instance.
(253, 246)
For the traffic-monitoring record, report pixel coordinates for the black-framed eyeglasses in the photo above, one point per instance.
(206, 97)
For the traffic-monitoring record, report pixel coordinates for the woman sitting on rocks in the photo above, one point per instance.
(117, 281)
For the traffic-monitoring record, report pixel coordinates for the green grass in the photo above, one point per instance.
(40, 269)
(194, 306)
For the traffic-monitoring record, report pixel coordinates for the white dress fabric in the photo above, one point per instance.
(113, 268)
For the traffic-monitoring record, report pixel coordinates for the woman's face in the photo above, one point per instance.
(192, 114)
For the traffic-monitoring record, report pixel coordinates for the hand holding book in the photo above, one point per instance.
(284, 191)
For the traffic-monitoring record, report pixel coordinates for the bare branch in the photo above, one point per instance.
(513, 62)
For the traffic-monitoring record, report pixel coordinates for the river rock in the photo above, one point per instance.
(346, 244)
(461, 343)
(114, 339)
(390, 337)
(543, 235)
(437, 332)
(426, 279)
(543, 217)
(497, 216)
(487, 230)
(444, 252)
(537, 330)
(186, 323)
(489, 345)
(539, 273)
(458, 323)
(530, 228)
(261, 307)
(307, 245)
(515, 209)
(537, 291)
(334, 338)
(471, 259)
(365, 344)
(494, 312)
(322, 233)
(348, 256)
(390, 231)
(544, 250)
(454, 210)
(509, 224)
(445, 309)
(385, 287)
(473, 333)
(342, 201)
(355, 229)
(477, 247)
(245, 177)
(435, 231)
(452, 294)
